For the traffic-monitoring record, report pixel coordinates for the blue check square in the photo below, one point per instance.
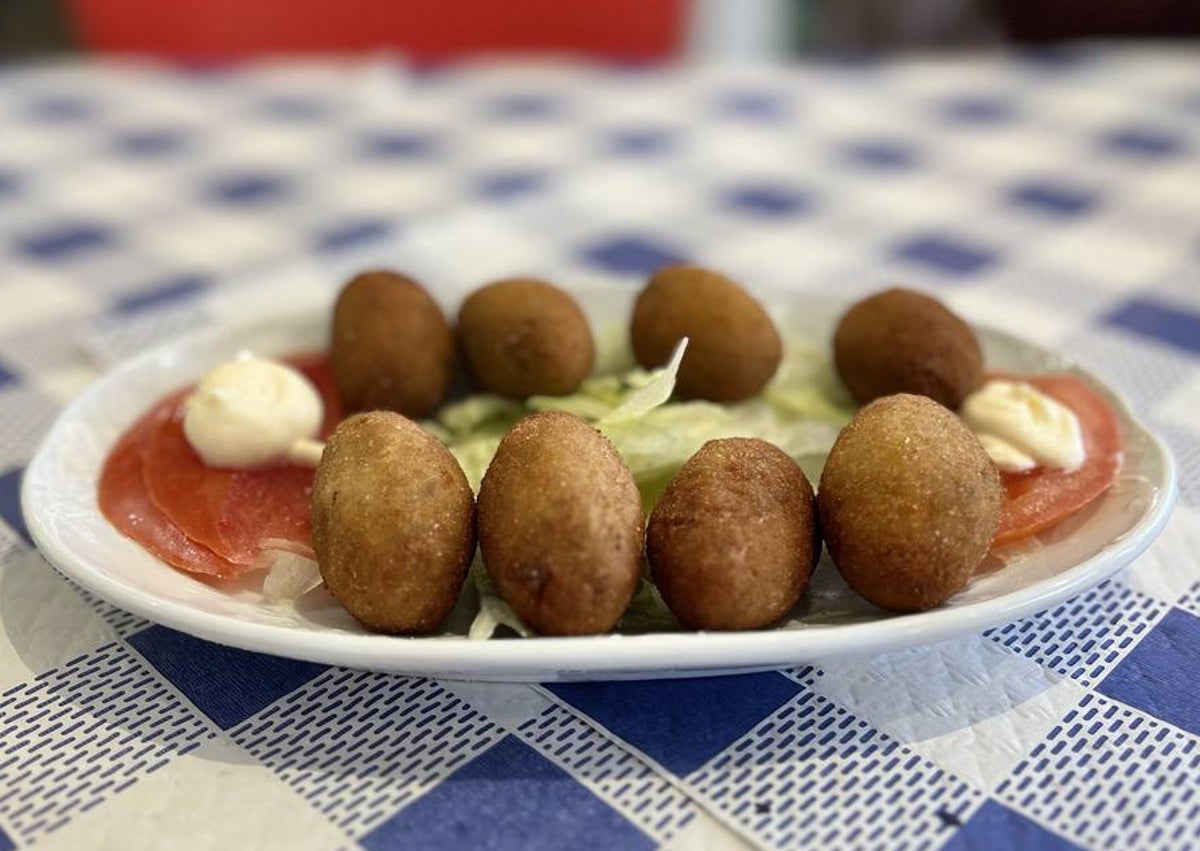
(1053, 199)
(995, 827)
(1161, 675)
(10, 502)
(523, 106)
(978, 109)
(1160, 322)
(151, 142)
(65, 241)
(348, 234)
(502, 186)
(946, 253)
(60, 108)
(10, 184)
(681, 724)
(508, 797)
(631, 254)
(640, 141)
(399, 144)
(226, 684)
(752, 105)
(298, 108)
(7, 376)
(766, 201)
(163, 293)
(247, 189)
(880, 154)
(1143, 142)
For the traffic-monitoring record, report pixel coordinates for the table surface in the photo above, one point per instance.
(1057, 195)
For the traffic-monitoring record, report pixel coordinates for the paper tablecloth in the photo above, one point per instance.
(1054, 194)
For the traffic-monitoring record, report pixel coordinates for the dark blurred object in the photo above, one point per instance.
(869, 25)
(424, 29)
(29, 27)
(1060, 20)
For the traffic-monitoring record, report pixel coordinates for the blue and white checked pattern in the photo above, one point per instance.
(1054, 194)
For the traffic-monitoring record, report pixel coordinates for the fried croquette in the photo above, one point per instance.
(561, 527)
(900, 341)
(391, 347)
(393, 523)
(523, 337)
(733, 346)
(909, 503)
(733, 540)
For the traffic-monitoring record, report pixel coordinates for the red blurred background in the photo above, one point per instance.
(426, 29)
(635, 30)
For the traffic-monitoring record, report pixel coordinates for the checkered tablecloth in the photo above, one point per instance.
(1057, 195)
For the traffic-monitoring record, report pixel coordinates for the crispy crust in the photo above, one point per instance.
(393, 523)
(391, 347)
(523, 337)
(900, 341)
(561, 527)
(733, 540)
(733, 346)
(909, 503)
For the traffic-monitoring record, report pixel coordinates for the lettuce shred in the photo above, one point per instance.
(801, 411)
(493, 612)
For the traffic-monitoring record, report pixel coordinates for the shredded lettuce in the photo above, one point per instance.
(483, 413)
(590, 403)
(654, 393)
(472, 429)
(647, 612)
(800, 411)
(493, 611)
(805, 386)
(614, 354)
(474, 454)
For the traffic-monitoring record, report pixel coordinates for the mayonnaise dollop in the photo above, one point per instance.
(252, 412)
(1021, 427)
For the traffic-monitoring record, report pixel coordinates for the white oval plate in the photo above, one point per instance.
(59, 499)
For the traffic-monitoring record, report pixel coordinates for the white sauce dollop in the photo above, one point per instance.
(1020, 427)
(252, 412)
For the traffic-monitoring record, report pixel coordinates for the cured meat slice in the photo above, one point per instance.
(155, 489)
(232, 511)
(126, 504)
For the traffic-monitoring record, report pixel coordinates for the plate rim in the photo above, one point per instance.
(612, 656)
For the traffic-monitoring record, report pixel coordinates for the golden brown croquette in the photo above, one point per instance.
(733, 346)
(393, 523)
(900, 341)
(391, 347)
(523, 337)
(909, 503)
(732, 541)
(561, 527)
